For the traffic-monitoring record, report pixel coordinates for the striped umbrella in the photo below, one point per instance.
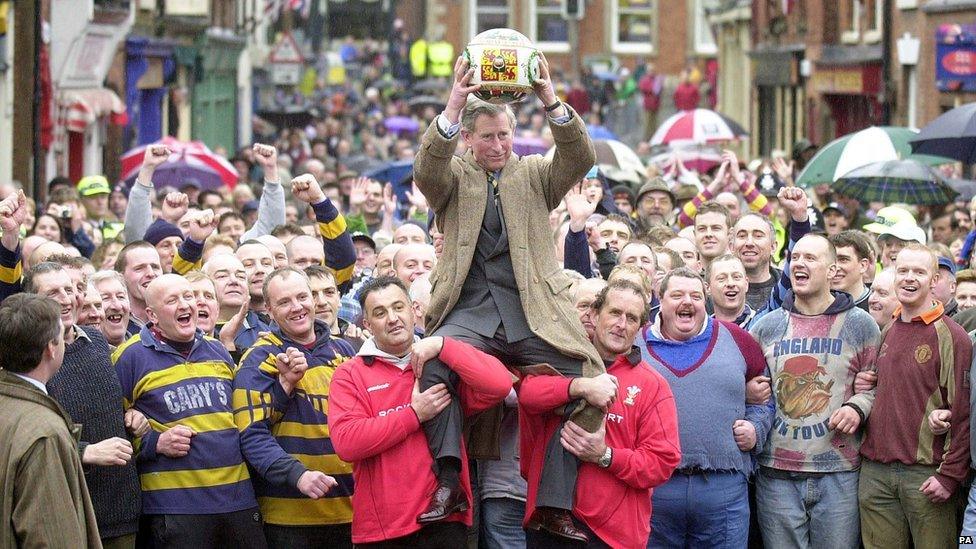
(873, 144)
(905, 181)
(698, 126)
(193, 153)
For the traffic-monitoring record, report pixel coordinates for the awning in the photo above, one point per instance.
(82, 107)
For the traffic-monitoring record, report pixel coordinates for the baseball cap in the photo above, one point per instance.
(250, 206)
(947, 264)
(93, 185)
(363, 237)
(896, 222)
(837, 207)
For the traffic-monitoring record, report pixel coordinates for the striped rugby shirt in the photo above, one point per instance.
(193, 391)
(283, 436)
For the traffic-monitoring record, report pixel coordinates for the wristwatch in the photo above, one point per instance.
(605, 460)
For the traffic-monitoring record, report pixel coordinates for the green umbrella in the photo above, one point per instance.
(874, 144)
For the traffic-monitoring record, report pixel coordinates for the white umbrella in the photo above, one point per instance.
(865, 147)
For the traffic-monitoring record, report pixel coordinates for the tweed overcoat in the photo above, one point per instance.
(530, 187)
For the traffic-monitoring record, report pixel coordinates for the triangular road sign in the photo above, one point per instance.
(286, 51)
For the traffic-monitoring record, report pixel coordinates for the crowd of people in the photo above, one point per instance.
(521, 353)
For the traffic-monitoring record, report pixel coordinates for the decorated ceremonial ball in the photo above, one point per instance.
(505, 63)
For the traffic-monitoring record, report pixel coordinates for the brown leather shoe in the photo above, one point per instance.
(444, 503)
(557, 522)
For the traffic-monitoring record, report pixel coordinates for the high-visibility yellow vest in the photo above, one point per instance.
(418, 58)
(441, 58)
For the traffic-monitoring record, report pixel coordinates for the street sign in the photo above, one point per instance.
(286, 74)
(286, 51)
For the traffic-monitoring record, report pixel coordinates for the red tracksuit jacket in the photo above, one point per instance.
(642, 430)
(373, 427)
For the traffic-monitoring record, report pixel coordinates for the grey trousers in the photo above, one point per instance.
(557, 486)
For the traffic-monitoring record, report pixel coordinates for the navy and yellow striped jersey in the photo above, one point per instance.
(196, 392)
(189, 257)
(340, 253)
(283, 436)
(11, 272)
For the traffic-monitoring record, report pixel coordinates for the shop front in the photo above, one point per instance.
(851, 94)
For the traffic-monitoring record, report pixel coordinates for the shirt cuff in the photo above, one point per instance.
(447, 129)
(561, 119)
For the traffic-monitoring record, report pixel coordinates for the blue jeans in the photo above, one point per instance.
(969, 519)
(701, 510)
(804, 512)
(501, 523)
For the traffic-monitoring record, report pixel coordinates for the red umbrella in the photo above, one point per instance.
(193, 152)
(697, 126)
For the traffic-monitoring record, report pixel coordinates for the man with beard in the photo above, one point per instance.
(853, 261)
(196, 490)
(655, 204)
(88, 389)
(495, 287)
(115, 306)
(707, 364)
(635, 450)
(910, 475)
(291, 369)
(376, 414)
(814, 346)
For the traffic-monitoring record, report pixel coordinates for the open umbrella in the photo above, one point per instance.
(907, 181)
(874, 144)
(401, 124)
(421, 102)
(698, 126)
(953, 135)
(965, 187)
(613, 153)
(193, 154)
(523, 145)
(292, 116)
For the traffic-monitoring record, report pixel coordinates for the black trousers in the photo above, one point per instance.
(240, 529)
(439, 535)
(336, 536)
(557, 485)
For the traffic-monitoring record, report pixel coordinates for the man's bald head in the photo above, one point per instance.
(30, 244)
(155, 289)
(43, 251)
(414, 260)
(304, 251)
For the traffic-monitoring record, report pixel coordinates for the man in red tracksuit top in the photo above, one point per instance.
(375, 414)
(636, 450)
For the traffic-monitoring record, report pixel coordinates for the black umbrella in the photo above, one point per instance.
(952, 135)
(288, 117)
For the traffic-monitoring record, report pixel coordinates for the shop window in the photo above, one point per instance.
(704, 39)
(550, 30)
(489, 14)
(633, 26)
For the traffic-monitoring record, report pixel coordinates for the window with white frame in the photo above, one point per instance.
(704, 39)
(851, 23)
(874, 10)
(633, 25)
(489, 14)
(550, 30)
